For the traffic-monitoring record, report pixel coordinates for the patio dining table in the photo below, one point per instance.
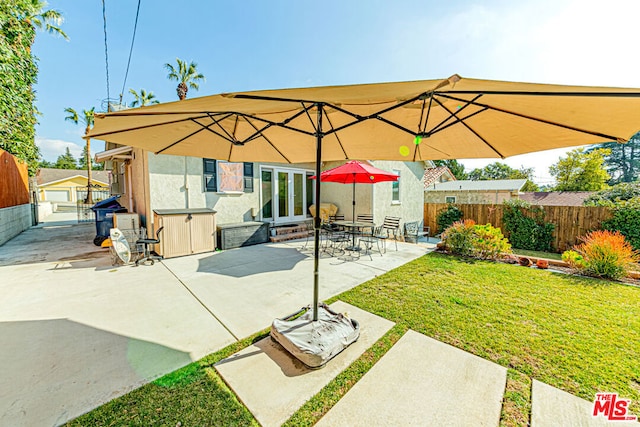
(353, 227)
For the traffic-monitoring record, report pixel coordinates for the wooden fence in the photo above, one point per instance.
(14, 181)
(571, 222)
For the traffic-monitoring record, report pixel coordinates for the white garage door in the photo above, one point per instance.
(56, 195)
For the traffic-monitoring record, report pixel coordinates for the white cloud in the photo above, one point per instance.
(50, 149)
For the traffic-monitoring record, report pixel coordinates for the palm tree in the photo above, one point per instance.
(185, 75)
(87, 119)
(49, 19)
(143, 98)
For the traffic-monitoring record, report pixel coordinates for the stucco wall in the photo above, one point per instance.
(468, 197)
(177, 182)
(13, 221)
(411, 206)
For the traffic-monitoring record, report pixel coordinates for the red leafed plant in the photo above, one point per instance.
(607, 254)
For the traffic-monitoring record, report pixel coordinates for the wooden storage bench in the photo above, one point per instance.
(242, 234)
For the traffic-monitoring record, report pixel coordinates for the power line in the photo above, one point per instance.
(106, 54)
(133, 38)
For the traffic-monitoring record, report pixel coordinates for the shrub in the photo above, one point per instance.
(525, 226)
(458, 237)
(626, 220)
(489, 243)
(469, 239)
(448, 216)
(574, 259)
(603, 254)
(617, 193)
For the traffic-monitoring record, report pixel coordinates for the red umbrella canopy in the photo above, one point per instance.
(355, 172)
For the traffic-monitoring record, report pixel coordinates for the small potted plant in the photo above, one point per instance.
(524, 261)
(542, 263)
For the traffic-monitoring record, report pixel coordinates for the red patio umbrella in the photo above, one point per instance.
(355, 172)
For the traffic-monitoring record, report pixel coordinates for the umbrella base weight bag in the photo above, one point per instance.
(315, 343)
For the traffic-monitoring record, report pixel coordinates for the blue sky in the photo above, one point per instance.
(253, 45)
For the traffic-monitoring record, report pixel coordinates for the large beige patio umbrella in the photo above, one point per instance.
(453, 118)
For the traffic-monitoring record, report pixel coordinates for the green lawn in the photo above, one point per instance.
(578, 334)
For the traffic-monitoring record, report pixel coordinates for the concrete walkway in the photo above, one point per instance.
(76, 332)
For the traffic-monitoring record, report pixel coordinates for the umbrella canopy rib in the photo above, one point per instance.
(268, 141)
(536, 119)
(340, 144)
(184, 137)
(470, 129)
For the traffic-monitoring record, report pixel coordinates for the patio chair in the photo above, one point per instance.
(334, 239)
(391, 227)
(414, 230)
(376, 237)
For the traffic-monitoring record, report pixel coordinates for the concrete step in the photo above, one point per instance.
(291, 236)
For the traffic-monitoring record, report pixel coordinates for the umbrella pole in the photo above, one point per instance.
(353, 200)
(316, 219)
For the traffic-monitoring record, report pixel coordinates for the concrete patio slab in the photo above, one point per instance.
(553, 407)
(76, 332)
(249, 287)
(273, 384)
(421, 381)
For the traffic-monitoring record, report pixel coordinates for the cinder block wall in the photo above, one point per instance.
(13, 221)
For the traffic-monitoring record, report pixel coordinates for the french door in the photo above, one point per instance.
(286, 194)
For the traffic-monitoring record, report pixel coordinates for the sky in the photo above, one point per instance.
(256, 44)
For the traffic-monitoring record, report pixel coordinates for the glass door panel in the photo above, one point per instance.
(267, 194)
(298, 194)
(283, 194)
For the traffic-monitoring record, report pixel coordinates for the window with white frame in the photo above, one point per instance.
(395, 188)
(450, 199)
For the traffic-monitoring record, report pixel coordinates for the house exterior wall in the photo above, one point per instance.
(68, 186)
(469, 197)
(410, 207)
(176, 182)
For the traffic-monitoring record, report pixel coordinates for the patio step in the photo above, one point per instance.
(291, 232)
(291, 236)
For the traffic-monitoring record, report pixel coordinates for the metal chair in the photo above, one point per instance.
(391, 227)
(146, 255)
(376, 237)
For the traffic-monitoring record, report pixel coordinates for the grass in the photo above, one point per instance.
(577, 334)
(538, 254)
(574, 333)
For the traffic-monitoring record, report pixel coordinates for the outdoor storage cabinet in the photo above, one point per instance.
(243, 234)
(186, 231)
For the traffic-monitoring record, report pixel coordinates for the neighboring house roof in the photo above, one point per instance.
(556, 198)
(46, 176)
(468, 185)
(432, 175)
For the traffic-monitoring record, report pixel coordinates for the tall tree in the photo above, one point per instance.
(143, 98)
(581, 171)
(456, 168)
(19, 20)
(66, 161)
(82, 161)
(498, 170)
(623, 164)
(186, 75)
(87, 119)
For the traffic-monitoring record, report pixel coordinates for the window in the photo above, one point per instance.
(395, 188)
(209, 173)
(450, 199)
(227, 177)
